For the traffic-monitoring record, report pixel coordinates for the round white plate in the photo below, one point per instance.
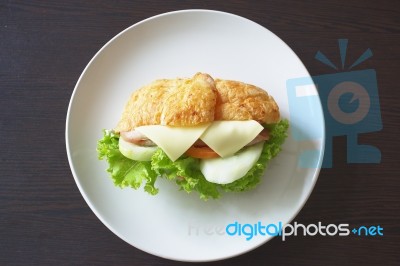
(173, 224)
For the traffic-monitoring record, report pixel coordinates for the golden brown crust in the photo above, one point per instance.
(173, 102)
(190, 102)
(240, 101)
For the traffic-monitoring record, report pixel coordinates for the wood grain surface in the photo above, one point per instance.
(44, 47)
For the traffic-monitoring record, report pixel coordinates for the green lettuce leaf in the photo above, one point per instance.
(124, 171)
(186, 170)
(186, 173)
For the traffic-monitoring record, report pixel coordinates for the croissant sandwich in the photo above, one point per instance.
(208, 135)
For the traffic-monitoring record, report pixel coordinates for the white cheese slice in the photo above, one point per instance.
(227, 137)
(229, 169)
(174, 141)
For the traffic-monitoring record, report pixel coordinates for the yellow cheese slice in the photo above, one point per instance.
(227, 137)
(174, 141)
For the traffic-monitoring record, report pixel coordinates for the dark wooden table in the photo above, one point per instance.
(44, 47)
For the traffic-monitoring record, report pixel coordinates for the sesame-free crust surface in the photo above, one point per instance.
(195, 101)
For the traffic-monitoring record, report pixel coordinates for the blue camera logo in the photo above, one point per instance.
(350, 102)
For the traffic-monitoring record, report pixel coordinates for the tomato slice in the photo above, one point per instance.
(201, 152)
